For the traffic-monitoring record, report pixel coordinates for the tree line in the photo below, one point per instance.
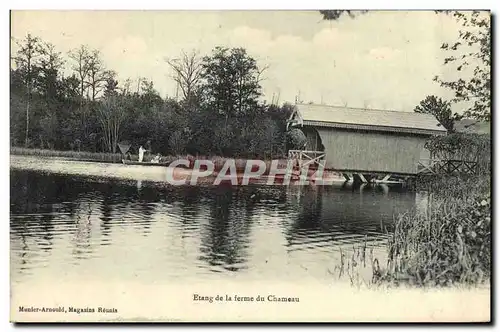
(220, 110)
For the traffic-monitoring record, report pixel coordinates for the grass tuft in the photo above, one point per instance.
(446, 244)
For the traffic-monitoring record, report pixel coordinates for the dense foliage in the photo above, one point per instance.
(463, 146)
(220, 111)
(296, 139)
(333, 15)
(440, 109)
(471, 54)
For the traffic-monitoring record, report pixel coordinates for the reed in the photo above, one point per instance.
(446, 244)
(358, 265)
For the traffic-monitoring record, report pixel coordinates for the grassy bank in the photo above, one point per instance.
(71, 155)
(449, 243)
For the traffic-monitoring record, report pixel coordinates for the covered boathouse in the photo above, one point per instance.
(363, 141)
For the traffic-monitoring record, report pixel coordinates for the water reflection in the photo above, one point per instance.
(330, 216)
(120, 229)
(224, 238)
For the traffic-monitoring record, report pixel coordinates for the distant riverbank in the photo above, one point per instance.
(107, 157)
(63, 165)
(69, 155)
(110, 165)
(60, 165)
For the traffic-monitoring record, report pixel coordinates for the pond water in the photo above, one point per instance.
(65, 227)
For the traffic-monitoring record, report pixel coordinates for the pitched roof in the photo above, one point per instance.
(368, 119)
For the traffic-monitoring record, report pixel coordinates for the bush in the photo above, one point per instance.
(463, 146)
(296, 139)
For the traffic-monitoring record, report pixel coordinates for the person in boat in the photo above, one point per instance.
(141, 153)
(156, 159)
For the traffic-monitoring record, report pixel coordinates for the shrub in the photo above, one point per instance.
(463, 146)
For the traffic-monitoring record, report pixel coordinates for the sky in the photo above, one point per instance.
(381, 59)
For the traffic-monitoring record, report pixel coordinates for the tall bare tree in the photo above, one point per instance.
(82, 57)
(111, 114)
(84, 64)
(187, 73)
(26, 56)
(98, 75)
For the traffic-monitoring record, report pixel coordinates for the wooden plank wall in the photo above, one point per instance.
(369, 151)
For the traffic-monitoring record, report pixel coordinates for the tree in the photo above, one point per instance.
(50, 93)
(111, 86)
(82, 66)
(471, 54)
(231, 81)
(230, 93)
(17, 109)
(50, 64)
(111, 113)
(148, 96)
(85, 66)
(98, 75)
(61, 118)
(187, 73)
(25, 59)
(440, 109)
(126, 87)
(178, 140)
(69, 88)
(336, 14)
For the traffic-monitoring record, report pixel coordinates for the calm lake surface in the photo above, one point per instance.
(65, 227)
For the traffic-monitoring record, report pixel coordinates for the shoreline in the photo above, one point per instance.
(62, 165)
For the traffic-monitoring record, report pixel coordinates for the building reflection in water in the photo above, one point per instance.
(344, 215)
(192, 229)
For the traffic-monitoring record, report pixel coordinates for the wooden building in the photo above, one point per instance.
(366, 140)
